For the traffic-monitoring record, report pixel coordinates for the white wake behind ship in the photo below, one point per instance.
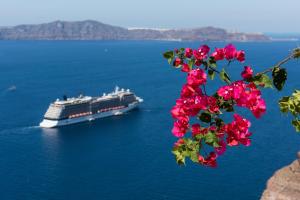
(85, 108)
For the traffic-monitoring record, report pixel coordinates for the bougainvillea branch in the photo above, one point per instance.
(294, 55)
(198, 122)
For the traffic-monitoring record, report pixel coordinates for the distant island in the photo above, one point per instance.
(94, 30)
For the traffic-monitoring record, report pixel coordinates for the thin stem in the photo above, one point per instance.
(279, 64)
(229, 62)
(213, 69)
(204, 89)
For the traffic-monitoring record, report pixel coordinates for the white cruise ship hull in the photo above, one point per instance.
(46, 123)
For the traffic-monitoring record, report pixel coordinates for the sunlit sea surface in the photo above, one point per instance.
(128, 156)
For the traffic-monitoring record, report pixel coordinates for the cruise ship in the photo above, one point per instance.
(85, 108)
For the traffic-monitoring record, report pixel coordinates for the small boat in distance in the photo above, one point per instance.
(85, 108)
(12, 88)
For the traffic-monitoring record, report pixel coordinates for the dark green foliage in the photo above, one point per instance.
(262, 80)
(211, 74)
(211, 139)
(224, 76)
(189, 148)
(279, 77)
(291, 104)
(169, 55)
(296, 53)
(205, 117)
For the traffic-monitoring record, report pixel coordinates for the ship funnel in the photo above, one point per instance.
(65, 98)
(117, 89)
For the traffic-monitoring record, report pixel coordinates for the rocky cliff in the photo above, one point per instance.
(285, 183)
(94, 30)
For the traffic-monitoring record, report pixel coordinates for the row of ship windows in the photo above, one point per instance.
(99, 111)
(109, 109)
(80, 115)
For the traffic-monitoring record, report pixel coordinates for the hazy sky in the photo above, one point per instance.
(242, 15)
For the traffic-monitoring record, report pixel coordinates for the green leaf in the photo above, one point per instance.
(194, 156)
(205, 117)
(296, 124)
(189, 149)
(169, 55)
(215, 144)
(179, 156)
(292, 104)
(199, 137)
(296, 53)
(212, 139)
(191, 63)
(211, 62)
(219, 122)
(211, 74)
(209, 137)
(296, 95)
(181, 50)
(284, 104)
(227, 106)
(279, 77)
(263, 80)
(224, 76)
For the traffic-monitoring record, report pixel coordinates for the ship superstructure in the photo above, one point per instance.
(86, 108)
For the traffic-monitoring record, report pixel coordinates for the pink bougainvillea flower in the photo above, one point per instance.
(201, 102)
(177, 112)
(238, 131)
(240, 56)
(179, 142)
(180, 127)
(201, 52)
(225, 92)
(230, 52)
(185, 67)
(213, 106)
(213, 128)
(188, 52)
(259, 109)
(247, 73)
(218, 54)
(196, 77)
(204, 49)
(188, 91)
(221, 149)
(210, 160)
(177, 62)
(196, 129)
(198, 63)
(242, 123)
(238, 88)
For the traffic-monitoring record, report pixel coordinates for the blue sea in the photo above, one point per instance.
(128, 156)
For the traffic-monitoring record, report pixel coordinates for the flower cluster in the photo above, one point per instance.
(245, 95)
(229, 53)
(194, 102)
(238, 131)
(191, 101)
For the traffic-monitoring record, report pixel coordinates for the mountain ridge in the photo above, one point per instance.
(95, 30)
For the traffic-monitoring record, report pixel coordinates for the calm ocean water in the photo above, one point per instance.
(124, 157)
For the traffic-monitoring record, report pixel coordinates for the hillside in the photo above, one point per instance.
(284, 184)
(94, 30)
